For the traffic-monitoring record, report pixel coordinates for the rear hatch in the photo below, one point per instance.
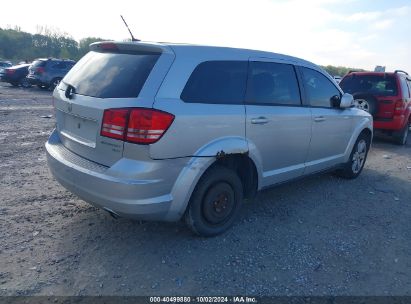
(382, 86)
(110, 76)
(37, 67)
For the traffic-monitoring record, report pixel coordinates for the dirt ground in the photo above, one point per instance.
(318, 236)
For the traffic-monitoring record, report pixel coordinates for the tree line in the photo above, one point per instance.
(47, 42)
(17, 45)
(339, 70)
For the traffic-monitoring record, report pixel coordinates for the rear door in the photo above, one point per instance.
(331, 125)
(278, 127)
(104, 79)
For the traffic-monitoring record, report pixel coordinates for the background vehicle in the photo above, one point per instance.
(163, 131)
(47, 73)
(387, 96)
(16, 75)
(3, 65)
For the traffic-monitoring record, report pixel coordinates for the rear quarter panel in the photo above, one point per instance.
(199, 129)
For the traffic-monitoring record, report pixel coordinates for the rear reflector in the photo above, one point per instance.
(137, 125)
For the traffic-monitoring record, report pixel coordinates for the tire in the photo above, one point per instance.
(358, 156)
(14, 84)
(25, 83)
(366, 102)
(215, 202)
(401, 136)
(54, 83)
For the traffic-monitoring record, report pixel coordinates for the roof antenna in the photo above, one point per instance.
(131, 34)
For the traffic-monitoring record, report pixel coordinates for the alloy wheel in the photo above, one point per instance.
(358, 157)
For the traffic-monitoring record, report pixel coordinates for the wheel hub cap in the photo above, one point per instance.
(358, 158)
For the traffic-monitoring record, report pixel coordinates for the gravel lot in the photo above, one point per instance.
(318, 236)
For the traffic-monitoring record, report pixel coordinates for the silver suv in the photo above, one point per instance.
(164, 131)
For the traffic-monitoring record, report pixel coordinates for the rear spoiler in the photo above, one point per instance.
(146, 47)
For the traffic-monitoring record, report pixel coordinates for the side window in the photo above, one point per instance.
(321, 92)
(404, 88)
(217, 82)
(272, 83)
(59, 66)
(409, 85)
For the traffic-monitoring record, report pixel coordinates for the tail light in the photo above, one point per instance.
(115, 123)
(399, 107)
(10, 72)
(137, 125)
(40, 70)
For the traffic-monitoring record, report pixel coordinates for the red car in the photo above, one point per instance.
(386, 96)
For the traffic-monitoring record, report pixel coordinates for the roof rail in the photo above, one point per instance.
(400, 71)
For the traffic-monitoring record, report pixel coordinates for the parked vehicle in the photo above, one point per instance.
(387, 96)
(163, 131)
(3, 65)
(16, 75)
(47, 73)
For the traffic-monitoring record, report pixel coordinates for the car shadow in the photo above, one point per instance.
(318, 235)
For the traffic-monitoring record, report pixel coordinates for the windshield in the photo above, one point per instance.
(371, 84)
(111, 75)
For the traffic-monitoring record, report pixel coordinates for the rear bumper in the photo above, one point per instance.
(396, 123)
(34, 81)
(123, 192)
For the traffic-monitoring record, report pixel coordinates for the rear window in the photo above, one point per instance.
(111, 75)
(372, 84)
(38, 63)
(217, 82)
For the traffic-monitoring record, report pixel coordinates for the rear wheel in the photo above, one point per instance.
(14, 84)
(402, 136)
(25, 83)
(358, 156)
(215, 202)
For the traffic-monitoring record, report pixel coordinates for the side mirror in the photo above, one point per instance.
(346, 101)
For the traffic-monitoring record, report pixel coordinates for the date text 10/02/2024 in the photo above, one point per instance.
(203, 299)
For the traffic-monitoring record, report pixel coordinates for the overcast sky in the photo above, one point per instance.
(354, 33)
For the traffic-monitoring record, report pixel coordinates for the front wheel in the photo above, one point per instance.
(358, 156)
(54, 83)
(215, 202)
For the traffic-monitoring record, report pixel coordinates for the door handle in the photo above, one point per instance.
(319, 118)
(259, 121)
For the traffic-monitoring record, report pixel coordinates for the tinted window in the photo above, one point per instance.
(38, 63)
(404, 88)
(272, 83)
(108, 75)
(319, 89)
(373, 84)
(217, 82)
(59, 66)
